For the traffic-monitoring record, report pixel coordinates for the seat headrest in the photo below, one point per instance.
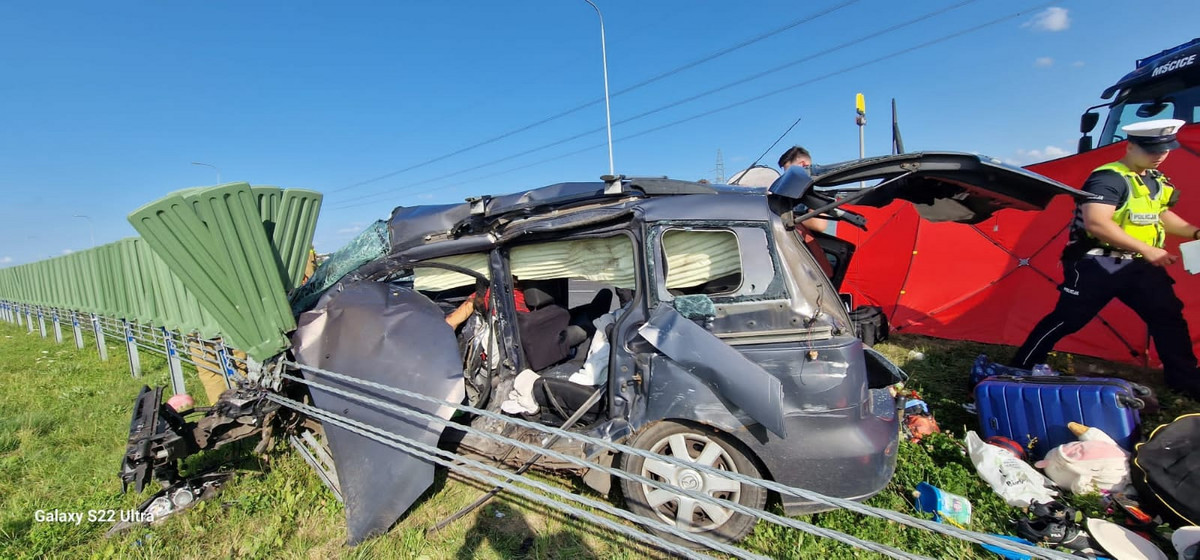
(536, 298)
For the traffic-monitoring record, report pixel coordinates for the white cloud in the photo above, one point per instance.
(1051, 19)
(5, 260)
(1043, 62)
(67, 251)
(1077, 64)
(1026, 157)
(425, 196)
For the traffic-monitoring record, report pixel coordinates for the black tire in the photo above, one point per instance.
(677, 439)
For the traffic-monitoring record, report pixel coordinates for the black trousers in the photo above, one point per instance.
(1091, 282)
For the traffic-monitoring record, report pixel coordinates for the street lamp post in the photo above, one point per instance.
(91, 229)
(212, 166)
(607, 112)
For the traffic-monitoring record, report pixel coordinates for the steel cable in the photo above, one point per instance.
(841, 503)
(757, 513)
(432, 453)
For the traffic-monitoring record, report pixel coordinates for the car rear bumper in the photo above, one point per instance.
(849, 453)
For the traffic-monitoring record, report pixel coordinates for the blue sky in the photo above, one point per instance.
(103, 106)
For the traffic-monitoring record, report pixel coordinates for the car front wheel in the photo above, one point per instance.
(702, 446)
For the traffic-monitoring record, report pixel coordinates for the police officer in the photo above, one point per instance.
(1116, 251)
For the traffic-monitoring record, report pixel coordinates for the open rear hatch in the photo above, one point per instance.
(943, 186)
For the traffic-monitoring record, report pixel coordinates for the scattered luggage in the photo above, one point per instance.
(1087, 466)
(1166, 471)
(1035, 411)
(984, 368)
(918, 419)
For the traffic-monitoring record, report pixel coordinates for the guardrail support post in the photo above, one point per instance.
(135, 363)
(173, 364)
(29, 318)
(225, 358)
(41, 322)
(20, 317)
(57, 326)
(101, 348)
(78, 333)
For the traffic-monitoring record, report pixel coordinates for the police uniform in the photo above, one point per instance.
(1095, 272)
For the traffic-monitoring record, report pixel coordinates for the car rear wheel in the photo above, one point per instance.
(699, 445)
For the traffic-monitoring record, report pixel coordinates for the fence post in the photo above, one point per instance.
(101, 348)
(225, 358)
(29, 318)
(4, 308)
(41, 322)
(173, 365)
(78, 333)
(20, 318)
(57, 326)
(135, 364)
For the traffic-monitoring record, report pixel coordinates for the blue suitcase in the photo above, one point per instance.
(1038, 409)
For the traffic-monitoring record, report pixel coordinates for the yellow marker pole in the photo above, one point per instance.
(860, 118)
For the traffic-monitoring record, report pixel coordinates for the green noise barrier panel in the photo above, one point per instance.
(215, 241)
(218, 261)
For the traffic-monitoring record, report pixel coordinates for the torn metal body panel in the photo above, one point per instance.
(737, 379)
(395, 337)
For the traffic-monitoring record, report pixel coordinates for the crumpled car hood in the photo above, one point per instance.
(392, 336)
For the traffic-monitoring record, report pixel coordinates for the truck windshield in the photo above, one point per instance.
(1177, 98)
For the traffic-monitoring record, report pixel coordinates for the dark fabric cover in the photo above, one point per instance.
(1166, 471)
(543, 334)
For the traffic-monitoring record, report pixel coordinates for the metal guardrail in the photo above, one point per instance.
(179, 349)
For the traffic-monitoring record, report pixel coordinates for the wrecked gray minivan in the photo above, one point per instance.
(682, 318)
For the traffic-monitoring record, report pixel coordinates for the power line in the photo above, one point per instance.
(390, 191)
(578, 108)
(769, 148)
(709, 112)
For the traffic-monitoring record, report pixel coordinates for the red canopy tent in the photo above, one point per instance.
(991, 282)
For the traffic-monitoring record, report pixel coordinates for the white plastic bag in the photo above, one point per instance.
(1013, 479)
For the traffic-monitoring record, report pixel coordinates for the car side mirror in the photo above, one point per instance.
(1085, 143)
(1088, 121)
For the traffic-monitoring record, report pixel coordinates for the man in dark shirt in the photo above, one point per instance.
(1116, 251)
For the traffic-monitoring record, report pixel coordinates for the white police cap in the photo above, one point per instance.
(1154, 136)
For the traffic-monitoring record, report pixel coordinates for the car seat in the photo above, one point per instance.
(545, 337)
(582, 316)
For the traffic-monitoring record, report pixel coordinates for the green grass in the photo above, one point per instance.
(64, 417)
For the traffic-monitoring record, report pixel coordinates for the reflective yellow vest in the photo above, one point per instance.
(1139, 214)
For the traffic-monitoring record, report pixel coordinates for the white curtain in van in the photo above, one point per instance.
(695, 257)
(608, 260)
(437, 279)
